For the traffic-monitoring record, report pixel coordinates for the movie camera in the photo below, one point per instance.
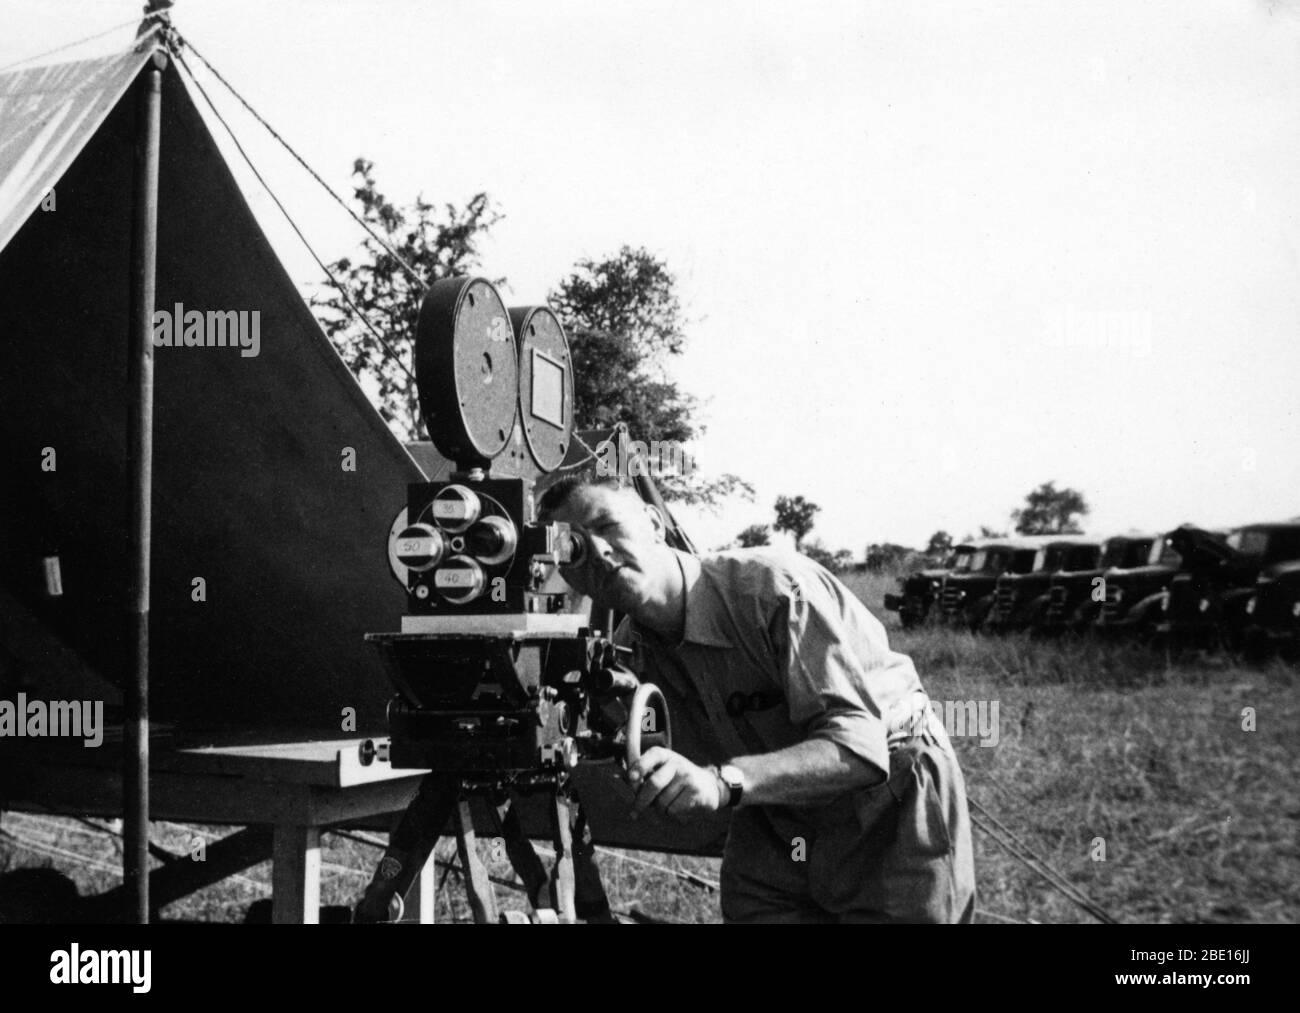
(504, 681)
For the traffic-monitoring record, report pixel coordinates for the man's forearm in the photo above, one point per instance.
(815, 770)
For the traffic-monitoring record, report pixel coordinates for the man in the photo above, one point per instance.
(849, 803)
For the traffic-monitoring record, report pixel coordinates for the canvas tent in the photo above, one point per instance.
(249, 490)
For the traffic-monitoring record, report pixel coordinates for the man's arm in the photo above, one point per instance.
(812, 771)
(823, 671)
(806, 773)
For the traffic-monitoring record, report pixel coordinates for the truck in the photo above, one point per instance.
(966, 595)
(1075, 597)
(1134, 595)
(1021, 600)
(1272, 612)
(1206, 602)
(920, 588)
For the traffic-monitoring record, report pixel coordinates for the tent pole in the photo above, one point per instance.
(144, 249)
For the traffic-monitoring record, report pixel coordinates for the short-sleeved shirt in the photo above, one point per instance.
(776, 650)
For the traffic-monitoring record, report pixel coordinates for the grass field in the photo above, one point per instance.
(1199, 818)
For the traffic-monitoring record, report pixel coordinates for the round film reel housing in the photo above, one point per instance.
(545, 384)
(467, 369)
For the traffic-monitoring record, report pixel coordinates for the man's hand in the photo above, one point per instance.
(673, 784)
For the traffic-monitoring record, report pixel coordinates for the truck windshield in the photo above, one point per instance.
(1136, 552)
(1082, 557)
(1117, 551)
(1022, 561)
(1051, 558)
(988, 561)
(1249, 543)
(1275, 546)
(1164, 554)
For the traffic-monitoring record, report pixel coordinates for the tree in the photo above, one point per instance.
(837, 561)
(940, 544)
(818, 553)
(754, 536)
(624, 322)
(886, 556)
(1050, 511)
(437, 244)
(795, 515)
(987, 532)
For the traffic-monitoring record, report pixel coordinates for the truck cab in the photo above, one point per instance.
(1271, 615)
(1135, 595)
(1075, 597)
(920, 588)
(1207, 602)
(967, 594)
(1021, 600)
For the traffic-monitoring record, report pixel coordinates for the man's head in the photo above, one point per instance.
(628, 564)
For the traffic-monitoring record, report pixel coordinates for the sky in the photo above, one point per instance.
(933, 254)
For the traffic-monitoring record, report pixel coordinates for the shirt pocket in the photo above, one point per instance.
(770, 726)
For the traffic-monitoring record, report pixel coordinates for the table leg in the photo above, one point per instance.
(295, 875)
(422, 896)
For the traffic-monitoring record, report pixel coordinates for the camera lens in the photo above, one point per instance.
(491, 541)
(459, 580)
(576, 550)
(455, 508)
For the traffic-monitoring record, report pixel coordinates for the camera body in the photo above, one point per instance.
(472, 547)
(500, 679)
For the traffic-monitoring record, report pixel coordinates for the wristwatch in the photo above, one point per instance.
(730, 775)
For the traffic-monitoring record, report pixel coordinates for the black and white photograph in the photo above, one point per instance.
(720, 462)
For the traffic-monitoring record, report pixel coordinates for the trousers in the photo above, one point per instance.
(899, 851)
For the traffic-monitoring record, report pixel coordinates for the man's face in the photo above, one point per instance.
(627, 560)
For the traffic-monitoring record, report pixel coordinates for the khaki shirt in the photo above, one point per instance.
(790, 648)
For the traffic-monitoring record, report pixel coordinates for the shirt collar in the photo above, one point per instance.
(705, 611)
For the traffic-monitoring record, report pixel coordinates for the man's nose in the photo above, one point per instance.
(600, 548)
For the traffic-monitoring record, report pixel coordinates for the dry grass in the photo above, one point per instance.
(1199, 817)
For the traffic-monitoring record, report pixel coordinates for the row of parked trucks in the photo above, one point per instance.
(1237, 587)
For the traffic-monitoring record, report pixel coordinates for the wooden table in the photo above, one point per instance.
(285, 790)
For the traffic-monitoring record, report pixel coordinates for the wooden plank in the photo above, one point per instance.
(295, 875)
(327, 762)
(528, 867)
(478, 887)
(420, 899)
(171, 882)
(562, 877)
(515, 625)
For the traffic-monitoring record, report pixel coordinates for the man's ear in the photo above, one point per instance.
(657, 522)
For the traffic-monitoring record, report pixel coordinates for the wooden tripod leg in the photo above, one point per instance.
(590, 901)
(409, 847)
(562, 892)
(478, 888)
(528, 867)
